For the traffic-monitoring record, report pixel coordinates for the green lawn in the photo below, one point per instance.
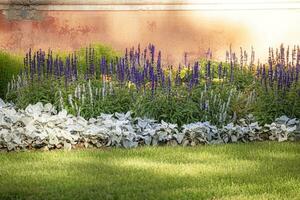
(237, 171)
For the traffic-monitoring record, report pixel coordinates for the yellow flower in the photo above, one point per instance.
(130, 85)
(183, 72)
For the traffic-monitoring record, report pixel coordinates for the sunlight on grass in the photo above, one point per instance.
(274, 155)
(243, 171)
(188, 169)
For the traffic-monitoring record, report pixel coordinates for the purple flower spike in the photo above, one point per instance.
(297, 73)
(152, 52)
(196, 73)
(61, 67)
(138, 54)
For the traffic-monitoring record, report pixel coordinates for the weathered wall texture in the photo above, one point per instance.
(174, 32)
(22, 26)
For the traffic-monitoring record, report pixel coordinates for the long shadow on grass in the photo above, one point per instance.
(233, 171)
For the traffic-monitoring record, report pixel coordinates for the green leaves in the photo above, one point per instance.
(9, 66)
(273, 103)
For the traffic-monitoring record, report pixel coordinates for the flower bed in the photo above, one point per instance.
(89, 82)
(207, 102)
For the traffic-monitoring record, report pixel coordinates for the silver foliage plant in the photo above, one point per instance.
(43, 127)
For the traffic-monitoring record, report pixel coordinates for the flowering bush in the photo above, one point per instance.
(89, 83)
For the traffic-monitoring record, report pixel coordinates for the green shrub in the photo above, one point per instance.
(9, 65)
(272, 103)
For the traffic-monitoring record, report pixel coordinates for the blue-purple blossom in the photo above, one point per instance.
(196, 73)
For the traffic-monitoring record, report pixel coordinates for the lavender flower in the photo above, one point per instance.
(178, 79)
(196, 73)
(111, 68)
(297, 73)
(61, 67)
(126, 55)
(152, 52)
(103, 65)
(122, 70)
(263, 77)
(145, 55)
(280, 78)
(34, 64)
(138, 54)
(270, 72)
